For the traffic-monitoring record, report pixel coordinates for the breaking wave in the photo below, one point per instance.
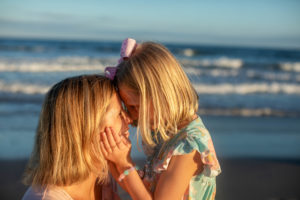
(59, 64)
(224, 62)
(290, 66)
(272, 88)
(23, 88)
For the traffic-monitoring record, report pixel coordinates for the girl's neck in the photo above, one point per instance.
(85, 190)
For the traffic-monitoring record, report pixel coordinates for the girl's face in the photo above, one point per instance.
(132, 102)
(116, 117)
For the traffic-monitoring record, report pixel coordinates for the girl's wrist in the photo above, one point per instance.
(121, 167)
(127, 172)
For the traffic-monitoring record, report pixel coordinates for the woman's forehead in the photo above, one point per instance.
(115, 103)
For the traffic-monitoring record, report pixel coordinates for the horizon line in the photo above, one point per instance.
(160, 41)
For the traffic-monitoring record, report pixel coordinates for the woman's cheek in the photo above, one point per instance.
(126, 134)
(118, 126)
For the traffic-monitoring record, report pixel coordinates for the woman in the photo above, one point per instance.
(67, 162)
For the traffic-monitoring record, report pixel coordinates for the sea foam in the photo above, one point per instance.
(23, 88)
(214, 62)
(290, 66)
(59, 64)
(248, 88)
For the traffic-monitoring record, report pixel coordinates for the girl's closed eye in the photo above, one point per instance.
(132, 108)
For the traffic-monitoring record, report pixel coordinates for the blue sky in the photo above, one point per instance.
(265, 23)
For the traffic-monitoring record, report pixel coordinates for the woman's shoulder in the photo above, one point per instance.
(34, 194)
(48, 193)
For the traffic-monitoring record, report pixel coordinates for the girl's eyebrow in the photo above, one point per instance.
(133, 104)
(133, 101)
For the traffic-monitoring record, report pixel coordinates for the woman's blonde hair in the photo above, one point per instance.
(67, 148)
(157, 77)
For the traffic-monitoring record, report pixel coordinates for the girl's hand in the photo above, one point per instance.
(115, 148)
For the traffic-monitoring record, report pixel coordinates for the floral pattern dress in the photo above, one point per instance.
(193, 137)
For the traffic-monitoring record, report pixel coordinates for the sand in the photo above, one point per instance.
(241, 179)
(251, 179)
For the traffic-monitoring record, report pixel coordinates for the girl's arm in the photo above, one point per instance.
(115, 173)
(172, 183)
(117, 150)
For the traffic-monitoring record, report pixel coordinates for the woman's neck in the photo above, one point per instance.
(84, 190)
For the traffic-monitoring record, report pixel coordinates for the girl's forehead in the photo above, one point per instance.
(128, 95)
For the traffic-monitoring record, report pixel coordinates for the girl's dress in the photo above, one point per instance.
(193, 137)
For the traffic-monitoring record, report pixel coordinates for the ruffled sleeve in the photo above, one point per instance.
(194, 137)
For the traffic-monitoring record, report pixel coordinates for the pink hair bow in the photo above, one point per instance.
(128, 46)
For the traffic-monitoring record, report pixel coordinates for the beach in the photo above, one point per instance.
(248, 100)
(263, 166)
(264, 179)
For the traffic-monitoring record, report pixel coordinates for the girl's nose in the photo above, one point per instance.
(127, 118)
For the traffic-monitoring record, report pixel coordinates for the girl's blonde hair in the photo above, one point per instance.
(67, 148)
(162, 85)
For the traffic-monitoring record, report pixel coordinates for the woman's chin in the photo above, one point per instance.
(126, 134)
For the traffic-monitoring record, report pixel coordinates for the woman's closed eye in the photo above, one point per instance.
(123, 113)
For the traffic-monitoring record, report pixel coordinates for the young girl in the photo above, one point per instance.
(67, 162)
(182, 162)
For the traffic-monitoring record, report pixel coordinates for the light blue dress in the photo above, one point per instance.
(193, 137)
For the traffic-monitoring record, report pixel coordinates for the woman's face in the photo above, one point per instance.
(116, 117)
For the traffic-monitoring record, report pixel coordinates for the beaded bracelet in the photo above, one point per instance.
(126, 172)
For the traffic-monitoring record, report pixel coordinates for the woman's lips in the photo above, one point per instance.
(126, 134)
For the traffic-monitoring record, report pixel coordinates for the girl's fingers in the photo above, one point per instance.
(117, 138)
(104, 152)
(110, 137)
(106, 143)
(125, 140)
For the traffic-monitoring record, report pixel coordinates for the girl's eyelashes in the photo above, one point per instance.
(131, 107)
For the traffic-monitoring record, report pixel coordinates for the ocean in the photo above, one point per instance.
(249, 98)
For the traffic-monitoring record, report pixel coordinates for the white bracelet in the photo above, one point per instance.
(126, 172)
